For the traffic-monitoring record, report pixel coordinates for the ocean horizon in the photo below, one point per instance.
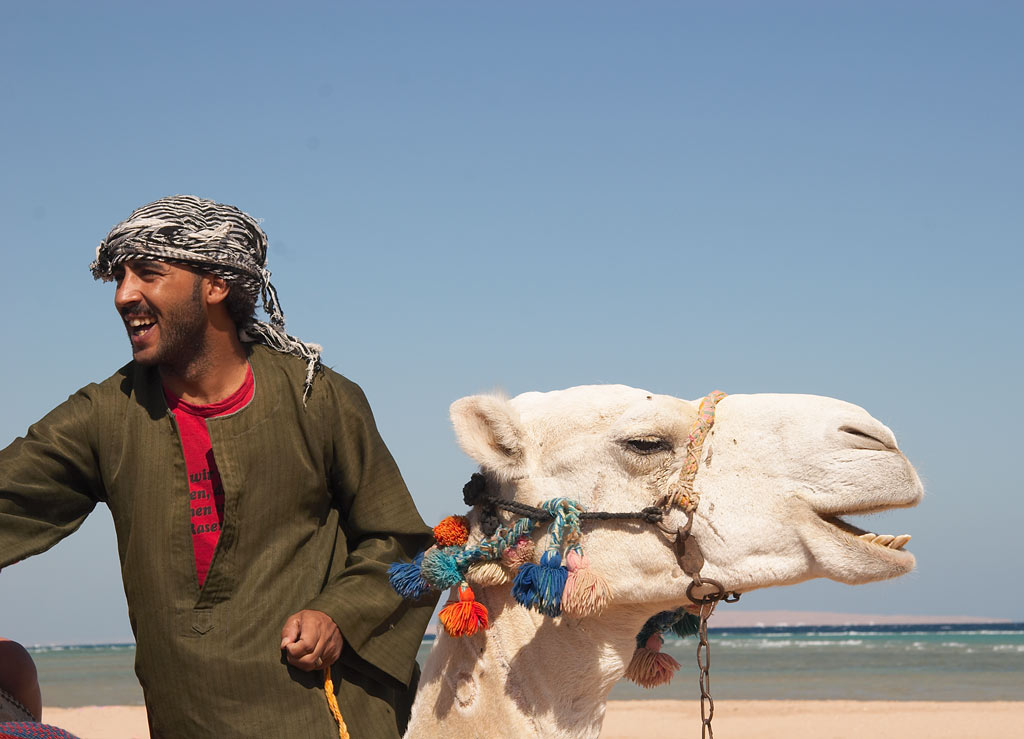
(903, 662)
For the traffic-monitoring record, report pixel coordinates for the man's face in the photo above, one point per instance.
(163, 311)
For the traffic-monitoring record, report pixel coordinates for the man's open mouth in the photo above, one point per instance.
(138, 326)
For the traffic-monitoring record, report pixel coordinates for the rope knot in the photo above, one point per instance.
(652, 514)
(474, 491)
(565, 529)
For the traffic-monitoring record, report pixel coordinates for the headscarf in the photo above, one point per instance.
(210, 237)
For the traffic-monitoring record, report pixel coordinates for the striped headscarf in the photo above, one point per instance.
(209, 237)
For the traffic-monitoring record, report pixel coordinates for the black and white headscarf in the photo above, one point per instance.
(210, 237)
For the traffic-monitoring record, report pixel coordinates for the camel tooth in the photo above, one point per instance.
(869, 537)
(884, 539)
(899, 542)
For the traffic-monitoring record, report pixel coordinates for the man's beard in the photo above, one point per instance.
(182, 333)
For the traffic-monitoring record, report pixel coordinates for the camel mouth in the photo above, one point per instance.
(886, 541)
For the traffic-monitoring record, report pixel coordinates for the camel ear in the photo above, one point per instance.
(489, 431)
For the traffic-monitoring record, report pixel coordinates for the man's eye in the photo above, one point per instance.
(649, 445)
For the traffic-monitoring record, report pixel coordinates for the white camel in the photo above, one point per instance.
(775, 474)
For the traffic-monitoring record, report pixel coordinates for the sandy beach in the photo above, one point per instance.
(738, 719)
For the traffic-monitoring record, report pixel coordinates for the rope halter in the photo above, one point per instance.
(561, 581)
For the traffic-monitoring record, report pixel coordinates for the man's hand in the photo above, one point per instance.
(311, 640)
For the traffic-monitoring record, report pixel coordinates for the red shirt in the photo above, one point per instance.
(206, 494)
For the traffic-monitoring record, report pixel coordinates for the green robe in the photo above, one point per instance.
(314, 511)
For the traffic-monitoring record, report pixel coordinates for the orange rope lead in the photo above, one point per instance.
(332, 703)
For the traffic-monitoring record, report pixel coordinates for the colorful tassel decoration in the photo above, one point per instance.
(686, 625)
(407, 578)
(540, 586)
(489, 573)
(453, 531)
(650, 666)
(586, 592)
(465, 616)
(440, 568)
(523, 551)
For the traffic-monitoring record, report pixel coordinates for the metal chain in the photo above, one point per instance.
(707, 704)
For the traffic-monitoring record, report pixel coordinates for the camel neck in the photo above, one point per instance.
(530, 675)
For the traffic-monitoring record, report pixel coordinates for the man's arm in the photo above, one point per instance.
(49, 481)
(381, 525)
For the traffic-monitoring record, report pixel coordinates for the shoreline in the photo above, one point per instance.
(721, 621)
(636, 719)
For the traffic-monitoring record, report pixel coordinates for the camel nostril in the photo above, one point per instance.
(866, 440)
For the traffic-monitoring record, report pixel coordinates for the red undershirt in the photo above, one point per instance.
(206, 494)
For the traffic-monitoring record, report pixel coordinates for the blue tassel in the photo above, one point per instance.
(659, 623)
(407, 578)
(440, 568)
(687, 625)
(540, 586)
(679, 622)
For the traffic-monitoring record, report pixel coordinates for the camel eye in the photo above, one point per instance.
(649, 445)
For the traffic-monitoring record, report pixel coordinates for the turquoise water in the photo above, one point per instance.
(892, 663)
(943, 662)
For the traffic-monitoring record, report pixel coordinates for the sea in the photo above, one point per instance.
(935, 662)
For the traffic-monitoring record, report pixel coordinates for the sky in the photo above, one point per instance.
(460, 197)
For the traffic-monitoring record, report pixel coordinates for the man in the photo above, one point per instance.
(20, 699)
(255, 505)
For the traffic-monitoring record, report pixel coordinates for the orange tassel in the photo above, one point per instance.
(453, 531)
(650, 666)
(465, 616)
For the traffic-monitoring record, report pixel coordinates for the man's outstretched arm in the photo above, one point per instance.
(49, 481)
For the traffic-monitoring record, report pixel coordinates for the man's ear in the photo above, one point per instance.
(215, 289)
(489, 431)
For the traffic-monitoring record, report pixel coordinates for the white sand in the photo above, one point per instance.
(732, 720)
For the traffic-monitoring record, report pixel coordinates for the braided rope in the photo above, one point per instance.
(492, 548)
(650, 514)
(565, 529)
(681, 493)
(332, 703)
(215, 238)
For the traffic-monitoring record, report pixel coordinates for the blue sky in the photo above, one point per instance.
(786, 197)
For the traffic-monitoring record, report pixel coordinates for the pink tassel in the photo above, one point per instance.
(514, 556)
(650, 666)
(586, 592)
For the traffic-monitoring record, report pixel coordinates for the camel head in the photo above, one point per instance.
(776, 475)
(763, 484)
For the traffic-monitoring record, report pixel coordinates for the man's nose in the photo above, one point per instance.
(127, 292)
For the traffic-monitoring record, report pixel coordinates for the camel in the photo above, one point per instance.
(773, 477)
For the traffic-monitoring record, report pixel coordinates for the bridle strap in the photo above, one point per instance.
(650, 514)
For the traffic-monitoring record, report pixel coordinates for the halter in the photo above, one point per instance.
(507, 552)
